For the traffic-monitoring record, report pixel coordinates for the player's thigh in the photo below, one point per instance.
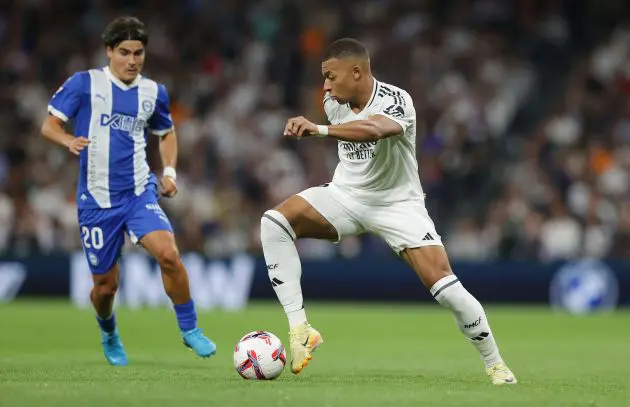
(410, 232)
(147, 225)
(102, 238)
(319, 213)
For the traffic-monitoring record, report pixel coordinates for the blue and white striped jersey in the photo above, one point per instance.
(115, 117)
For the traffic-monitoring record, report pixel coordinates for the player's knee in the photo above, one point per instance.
(168, 258)
(434, 272)
(274, 227)
(430, 263)
(440, 267)
(106, 289)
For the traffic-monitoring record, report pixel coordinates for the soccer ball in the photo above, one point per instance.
(259, 355)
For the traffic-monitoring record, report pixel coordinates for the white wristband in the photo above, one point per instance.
(322, 131)
(170, 172)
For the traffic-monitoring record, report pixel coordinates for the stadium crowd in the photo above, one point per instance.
(236, 70)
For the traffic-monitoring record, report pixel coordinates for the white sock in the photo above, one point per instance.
(470, 316)
(283, 264)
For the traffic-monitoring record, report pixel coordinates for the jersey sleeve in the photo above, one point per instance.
(65, 103)
(161, 122)
(398, 107)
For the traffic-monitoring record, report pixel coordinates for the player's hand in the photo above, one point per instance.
(77, 144)
(169, 186)
(299, 127)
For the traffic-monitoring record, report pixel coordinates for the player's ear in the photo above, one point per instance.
(356, 72)
(110, 51)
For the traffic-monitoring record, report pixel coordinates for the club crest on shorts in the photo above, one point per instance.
(93, 259)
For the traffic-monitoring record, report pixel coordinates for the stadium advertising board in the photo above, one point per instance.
(580, 285)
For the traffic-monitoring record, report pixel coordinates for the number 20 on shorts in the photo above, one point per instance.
(92, 238)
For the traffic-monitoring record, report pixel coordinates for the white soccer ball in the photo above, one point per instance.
(259, 355)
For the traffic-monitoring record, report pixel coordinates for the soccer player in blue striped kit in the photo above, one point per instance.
(112, 109)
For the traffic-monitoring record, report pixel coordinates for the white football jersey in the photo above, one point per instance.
(384, 171)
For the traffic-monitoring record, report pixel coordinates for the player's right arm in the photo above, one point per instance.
(392, 119)
(53, 129)
(62, 107)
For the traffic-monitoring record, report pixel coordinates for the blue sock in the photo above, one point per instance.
(108, 325)
(186, 316)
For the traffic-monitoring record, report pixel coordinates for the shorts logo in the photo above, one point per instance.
(93, 259)
(158, 211)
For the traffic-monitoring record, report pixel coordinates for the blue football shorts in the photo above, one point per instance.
(103, 230)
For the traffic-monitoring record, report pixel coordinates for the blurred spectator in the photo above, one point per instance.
(464, 242)
(560, 235)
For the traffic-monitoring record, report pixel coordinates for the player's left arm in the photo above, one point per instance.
(161, 124)
(168, 154)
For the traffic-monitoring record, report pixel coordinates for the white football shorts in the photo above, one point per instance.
(404, 224)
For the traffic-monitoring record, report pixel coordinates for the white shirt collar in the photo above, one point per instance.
(372, 96)
(120, 83)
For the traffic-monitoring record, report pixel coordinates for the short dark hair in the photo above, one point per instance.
(124, 28)
(346, 47)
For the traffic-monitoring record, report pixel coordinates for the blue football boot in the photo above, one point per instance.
(198, 342)
(113, 348)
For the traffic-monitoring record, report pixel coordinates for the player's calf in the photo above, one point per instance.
(174, 275)
(279, 228)
(432, 266)
(161, 245)
(283, 264)
(102, 297)
(473, 323)
(469, 315)
(104, 291)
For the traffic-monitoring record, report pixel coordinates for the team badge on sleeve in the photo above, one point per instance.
(395, 111)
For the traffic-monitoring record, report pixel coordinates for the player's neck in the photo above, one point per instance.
(115, 75)
(364, 95)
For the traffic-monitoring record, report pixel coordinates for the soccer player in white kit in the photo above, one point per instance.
(375, 189)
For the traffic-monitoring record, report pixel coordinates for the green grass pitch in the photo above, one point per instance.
(373, 355)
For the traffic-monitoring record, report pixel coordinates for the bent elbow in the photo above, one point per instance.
(49, 126)
(374, 131)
